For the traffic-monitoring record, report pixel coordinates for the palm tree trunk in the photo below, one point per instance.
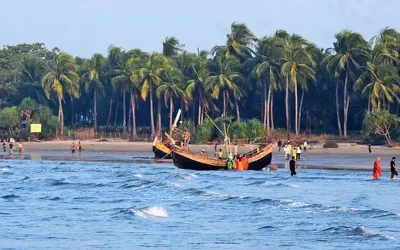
(272, 111)
(116, 113)
(95, 108)
(224, 105)
(109, 112)
(72, 110)
(300, 108)
(267, 109)
(159, 116)
(153, 129)
(170, 111)
(345, 105)
(296, 110)
(133, 104)
(183, 109)
(287, 106)
(61, 116)
(264, 108)
(129, 123)
(346, 116)
(237, 110)
(199, 115)
(337, 110)
(124, 112)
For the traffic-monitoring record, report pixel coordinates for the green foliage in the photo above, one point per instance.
(204, 132)
(381, 123)
(255, 129)
(9, 117)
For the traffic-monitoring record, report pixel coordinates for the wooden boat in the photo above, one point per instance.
(160, 150)
(258, 159)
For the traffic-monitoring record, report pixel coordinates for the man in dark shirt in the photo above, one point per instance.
(393, 168)
(292, 166)
(279, 145)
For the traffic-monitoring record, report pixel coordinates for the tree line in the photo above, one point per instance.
(281, 79)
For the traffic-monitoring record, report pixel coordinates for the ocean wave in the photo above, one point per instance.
(271, 184)
(357, 231)
(212, 194)
(138, 175)
(51, 198)
(9, 197)
(156, 211)
(4, 169)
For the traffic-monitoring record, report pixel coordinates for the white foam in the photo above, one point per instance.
(298, 204)
(342, 209)
(193, 175)
(4, 169)
(187, 178)
(174, 184)
(138, 175)
(156, 211)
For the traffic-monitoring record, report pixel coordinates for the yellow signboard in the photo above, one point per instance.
(36, 128)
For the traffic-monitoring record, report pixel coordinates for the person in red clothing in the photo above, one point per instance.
(377, 169)
(245, 162)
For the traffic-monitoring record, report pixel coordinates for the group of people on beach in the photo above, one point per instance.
(21, 149)
(377, 172)
(73, 148)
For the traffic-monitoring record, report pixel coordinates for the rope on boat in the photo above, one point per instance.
(163, 157)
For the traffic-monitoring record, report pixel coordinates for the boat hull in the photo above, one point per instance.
(160, 150)
(188, 160)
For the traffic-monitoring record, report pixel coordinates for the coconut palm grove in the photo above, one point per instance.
(277, 83)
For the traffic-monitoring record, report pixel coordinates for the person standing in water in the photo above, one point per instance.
(292, 166)
(11, 147)
(73, 148)
(279, 145)
(369, 148)
(21, 149)
(4, 145)
(377, 169)
(393, 169)
(80, 148)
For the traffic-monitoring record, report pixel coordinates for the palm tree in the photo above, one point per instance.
(239, 42)
(149, 76)
(171, 46)
(380, 73)
(224, 79)
(298, 65)
(169, 89)
(350, 52)
(115, 62)
(197, 85)
(29, 79)
(60, 80)
(92, 79)
(266, 71)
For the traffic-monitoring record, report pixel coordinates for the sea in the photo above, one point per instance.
(125, 205)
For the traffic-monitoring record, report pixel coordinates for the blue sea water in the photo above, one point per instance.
(94, 205)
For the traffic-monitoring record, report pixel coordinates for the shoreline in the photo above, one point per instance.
(346, 157)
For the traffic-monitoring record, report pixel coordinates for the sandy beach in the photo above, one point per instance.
(346, 157)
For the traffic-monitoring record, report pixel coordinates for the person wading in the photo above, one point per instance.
(80, 148)
(73, 148)
(298, 153)
(292, 166)
(377, 169)
(279, 145)
(4, 146)
(393, 169)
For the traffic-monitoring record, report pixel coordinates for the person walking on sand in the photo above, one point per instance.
(279, 145)
(73, 148)
(292, 166)
(286, 152)
(298, 153)
(235, 149)
(4, 145)
(377, 169)
(80, 148)
(305, 144)
(393, 169)
(294, 153)
(369, 148)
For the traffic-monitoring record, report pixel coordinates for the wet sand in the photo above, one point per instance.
(346, 157)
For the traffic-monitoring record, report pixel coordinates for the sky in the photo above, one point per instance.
(85, 27)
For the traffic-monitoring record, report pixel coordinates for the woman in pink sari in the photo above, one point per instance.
(377, 169)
